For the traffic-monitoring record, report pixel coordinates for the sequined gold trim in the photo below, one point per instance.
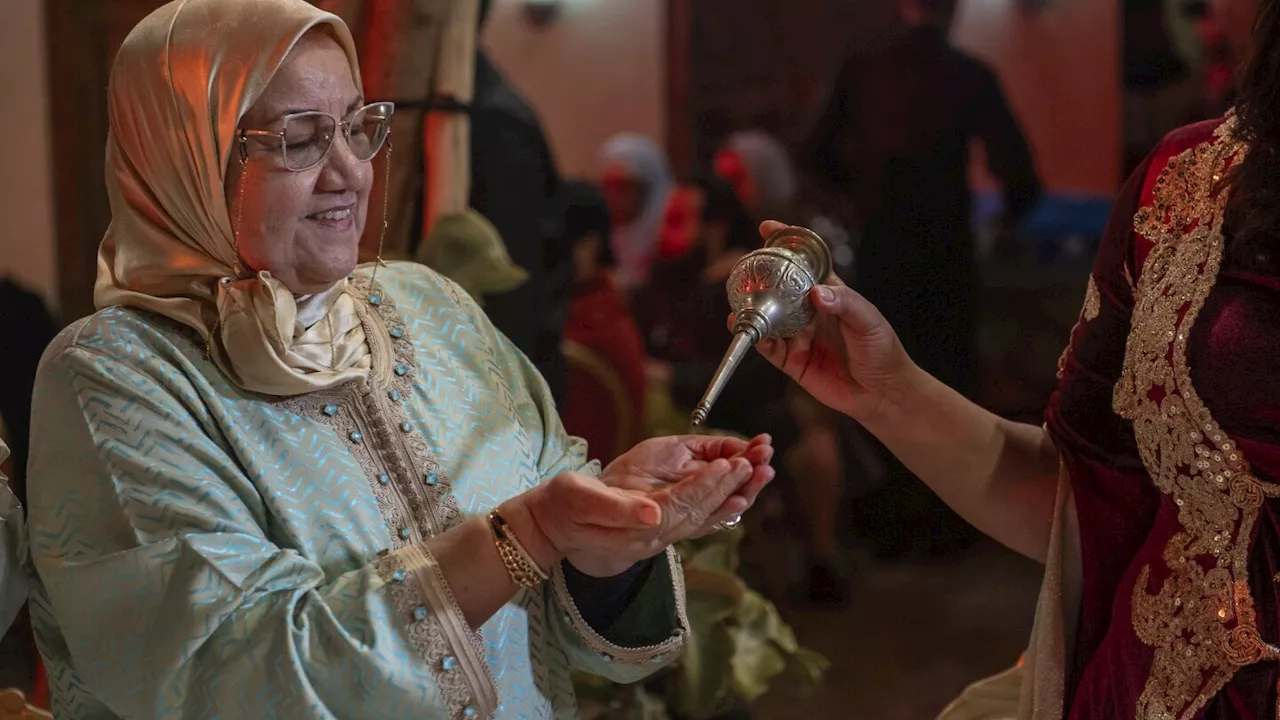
(1200, 621)
(1090, 310)
(662, 652)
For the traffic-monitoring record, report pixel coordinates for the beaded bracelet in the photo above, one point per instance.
(524, 571)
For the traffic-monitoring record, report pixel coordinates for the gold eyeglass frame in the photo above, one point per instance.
(343, 127)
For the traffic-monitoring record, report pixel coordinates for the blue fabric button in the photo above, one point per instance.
(657, 660)
(449, 663)
(606, 657)
(330, 409)
(402, 370)
(397, 332)
(383, 478)
(394, 395)
(419, 613)
(470, 711)
(398, 575)
(431, 479)
(405, 426)
(375, 299)
(355, 436)
(404, 533)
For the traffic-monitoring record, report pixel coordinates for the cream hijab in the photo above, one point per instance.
(181, 82)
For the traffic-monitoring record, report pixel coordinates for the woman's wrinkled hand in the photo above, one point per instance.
(654, 464)
(849, 357)
(603, 530)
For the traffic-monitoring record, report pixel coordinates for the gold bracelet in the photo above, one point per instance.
(524, 571)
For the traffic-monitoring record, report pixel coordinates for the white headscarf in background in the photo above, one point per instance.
(180, 84)
(634, 244)
(770, 170)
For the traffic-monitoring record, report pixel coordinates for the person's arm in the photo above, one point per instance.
(1008, 154)
(997, 474)
(173, 600)
(643, 626)
(154, 550)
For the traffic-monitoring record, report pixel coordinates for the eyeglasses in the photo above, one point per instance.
(306, 137)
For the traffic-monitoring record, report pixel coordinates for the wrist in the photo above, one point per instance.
(524, 524)
(905, 403)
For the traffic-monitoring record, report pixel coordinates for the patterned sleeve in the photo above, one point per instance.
(650, 633)
(150, 545)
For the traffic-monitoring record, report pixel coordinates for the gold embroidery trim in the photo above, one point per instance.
(664, 651)
(1090, 310)
(1200, 621)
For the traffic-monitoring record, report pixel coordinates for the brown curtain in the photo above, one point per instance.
(414, 52)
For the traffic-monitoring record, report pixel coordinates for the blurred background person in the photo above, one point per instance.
(762, 173)
(606, 391)
(636, 178)
(514, 181)
(894, 142)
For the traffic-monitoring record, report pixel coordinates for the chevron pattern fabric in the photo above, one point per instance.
(203, 552)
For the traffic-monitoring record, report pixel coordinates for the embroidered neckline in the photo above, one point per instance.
(1201, 621)
(413, 491)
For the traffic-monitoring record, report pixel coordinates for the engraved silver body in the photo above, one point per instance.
(769, 294)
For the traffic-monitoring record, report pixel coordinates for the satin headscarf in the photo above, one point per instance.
(180, 84)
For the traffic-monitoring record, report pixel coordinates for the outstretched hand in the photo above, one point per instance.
(655, 463)
(849, 357)
(662, 491)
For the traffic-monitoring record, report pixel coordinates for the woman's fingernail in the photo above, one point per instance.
(826, 294)
(650, 515)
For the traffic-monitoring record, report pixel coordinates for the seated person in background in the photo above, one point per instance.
(761, 172)
(635, 177)
(682, 312)
(13, 550)
(762, 175)
(600, 322)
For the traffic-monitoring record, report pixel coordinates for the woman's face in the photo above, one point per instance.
(302, 227)
(624, 193)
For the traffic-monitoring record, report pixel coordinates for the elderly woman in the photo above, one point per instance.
(270, 483)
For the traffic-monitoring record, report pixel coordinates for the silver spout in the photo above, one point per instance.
(769, 294)
(742, 342)
(750, 328)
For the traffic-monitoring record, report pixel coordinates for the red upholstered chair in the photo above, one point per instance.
(597, 407)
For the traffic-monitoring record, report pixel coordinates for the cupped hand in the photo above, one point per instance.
(687, 507)
(654, 464)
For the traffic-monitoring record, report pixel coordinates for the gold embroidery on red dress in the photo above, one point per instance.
(1200, 619)
(1088, 311)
